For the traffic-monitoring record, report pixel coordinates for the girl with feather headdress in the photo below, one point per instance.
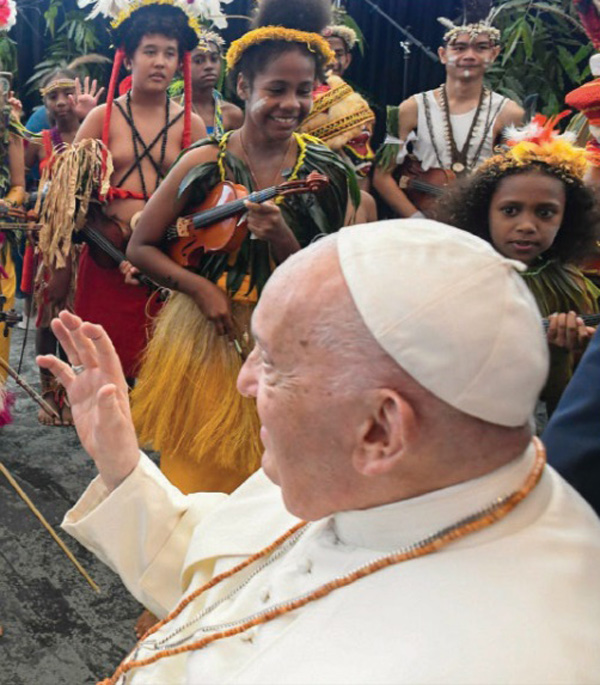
(531, 204)
(185, 402)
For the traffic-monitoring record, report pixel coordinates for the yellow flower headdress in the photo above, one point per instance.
(313, 41)
(65, 83)
(540, 143)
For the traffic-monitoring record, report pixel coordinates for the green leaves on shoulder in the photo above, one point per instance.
(388, 152)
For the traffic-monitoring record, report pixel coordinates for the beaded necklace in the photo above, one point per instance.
(300, 142)
(459, 158)
(473, 523)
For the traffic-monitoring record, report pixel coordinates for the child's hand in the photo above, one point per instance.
(16, 105)
(569, 331)
(130, 272)
(266, 222)
(86, 97)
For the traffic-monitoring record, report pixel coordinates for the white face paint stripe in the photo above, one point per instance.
(258, 104)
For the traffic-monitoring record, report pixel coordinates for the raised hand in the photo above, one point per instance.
(16, 106)
(85, 98)
(98, 395)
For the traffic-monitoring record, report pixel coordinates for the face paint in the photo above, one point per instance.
(259, 104)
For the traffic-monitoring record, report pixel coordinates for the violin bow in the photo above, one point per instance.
(22, 383)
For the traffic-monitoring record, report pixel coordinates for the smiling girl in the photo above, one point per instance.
(185, 403)
(532, 205)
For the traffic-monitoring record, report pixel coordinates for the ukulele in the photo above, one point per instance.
(423, 188)
(219, 224)
(588, 320)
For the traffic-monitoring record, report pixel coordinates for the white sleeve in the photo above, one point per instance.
(141, 530)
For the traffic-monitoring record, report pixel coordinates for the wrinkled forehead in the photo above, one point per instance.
(301, 287)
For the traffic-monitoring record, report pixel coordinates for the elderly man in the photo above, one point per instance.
(395, 372)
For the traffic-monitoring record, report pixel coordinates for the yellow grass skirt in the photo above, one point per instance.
(185, 403)
(8, 288)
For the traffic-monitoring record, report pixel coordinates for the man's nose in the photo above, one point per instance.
(247, 380)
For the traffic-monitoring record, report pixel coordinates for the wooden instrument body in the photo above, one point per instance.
(219, 225)
(225, 236)
(423, 188)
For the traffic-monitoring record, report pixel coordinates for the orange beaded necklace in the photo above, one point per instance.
(433, 543)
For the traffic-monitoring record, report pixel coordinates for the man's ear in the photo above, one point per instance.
(442, 55)
(242, 87)
(495, 53)
(389, 428)
(127, 63)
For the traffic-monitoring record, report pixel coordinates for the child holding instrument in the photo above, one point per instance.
(531, 204)
(185, 403)
(67, 104)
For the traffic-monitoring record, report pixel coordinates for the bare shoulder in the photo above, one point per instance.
(91, 127)
(233, 114)
(512, 113)
(198, 155)
(408, 116)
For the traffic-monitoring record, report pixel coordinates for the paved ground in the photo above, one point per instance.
(56, 629)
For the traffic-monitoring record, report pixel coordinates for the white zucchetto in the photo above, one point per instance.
(452, 312)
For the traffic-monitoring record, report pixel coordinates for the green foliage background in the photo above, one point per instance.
(545, 53)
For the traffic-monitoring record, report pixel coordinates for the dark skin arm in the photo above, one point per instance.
(16, 160)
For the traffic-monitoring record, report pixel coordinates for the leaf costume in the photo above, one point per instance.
(185, 403)
(559, 287)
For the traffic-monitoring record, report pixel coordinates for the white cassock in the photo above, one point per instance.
(518, 602)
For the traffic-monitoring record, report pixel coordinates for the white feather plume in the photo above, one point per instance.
(209, 10)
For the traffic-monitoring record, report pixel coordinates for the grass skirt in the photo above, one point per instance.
(185, 403)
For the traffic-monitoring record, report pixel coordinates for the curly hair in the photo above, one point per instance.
(303, 15)
(163, 20)
(467, 204)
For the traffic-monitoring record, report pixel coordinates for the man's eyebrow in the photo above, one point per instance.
(256, 337)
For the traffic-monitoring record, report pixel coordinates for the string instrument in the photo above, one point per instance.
(8, 318)
(105, 252)
(588, 320)
(17, 219)
(219, 224)
(96, 239)
(423, 188)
